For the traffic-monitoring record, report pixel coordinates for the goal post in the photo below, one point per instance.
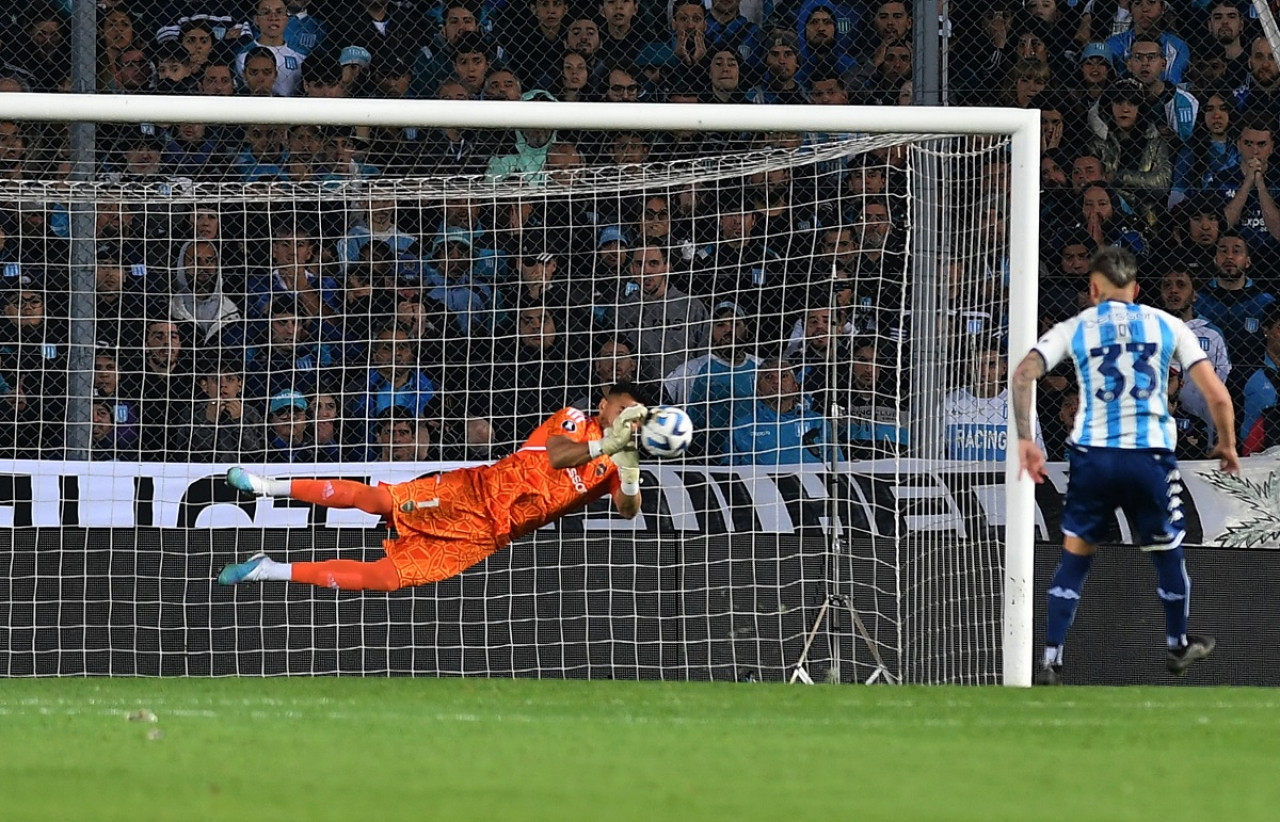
(957, 232)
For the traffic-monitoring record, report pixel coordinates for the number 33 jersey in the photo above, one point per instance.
(1122, 353)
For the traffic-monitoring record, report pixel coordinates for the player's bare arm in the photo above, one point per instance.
(1220, 408)
(1030, 457)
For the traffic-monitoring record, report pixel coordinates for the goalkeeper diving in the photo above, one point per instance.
(445, 523)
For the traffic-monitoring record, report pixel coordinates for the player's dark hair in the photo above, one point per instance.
(637, 392)
(1118, 265)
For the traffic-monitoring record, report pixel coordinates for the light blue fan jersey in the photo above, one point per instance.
(1122, 353)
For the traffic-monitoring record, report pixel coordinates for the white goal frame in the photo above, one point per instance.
(1022, 126)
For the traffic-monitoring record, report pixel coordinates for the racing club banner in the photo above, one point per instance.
(883, 499)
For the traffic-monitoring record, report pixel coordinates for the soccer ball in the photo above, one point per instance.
(667, 433)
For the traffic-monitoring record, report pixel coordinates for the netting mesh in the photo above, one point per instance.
(388, 327)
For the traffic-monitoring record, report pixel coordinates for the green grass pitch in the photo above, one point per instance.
(469, 749)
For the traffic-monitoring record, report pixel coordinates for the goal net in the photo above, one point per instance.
(339, 301)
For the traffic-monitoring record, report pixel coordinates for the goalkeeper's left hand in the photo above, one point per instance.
(621, 435)
(628, 462)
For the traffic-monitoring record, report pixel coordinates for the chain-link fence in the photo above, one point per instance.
(1158, 122)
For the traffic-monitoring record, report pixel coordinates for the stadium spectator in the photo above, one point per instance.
(378, 223)
(740, 266)
(218, 77)
(1252, 209)
(975, 416)
(884, 85)
(1178, 296)
(354, 62)
(1211, 157)
(816, 344)
(116, 32)
(132, 72)
(1226, 26)
(393, 379)
(288, 438)
(1193, 432)
(401, 438)
(43, 45)
(1149, 21)
(223, 426)
(724, 77)
(447, 150)
(877, 422)
(118, 310)
(713, 387)
(293, 250)
(1256, 385)
(197, 40)
(1024, 82)
(162, 386)
(533, 50)
(195, 151)
(106, 435)
(322, 75)
(533, 372)
(658, 226)
(828, 31)
(380, 27)
(106, 389)
(614, 362)
(200, 299)
(527, 158)
(304, 33)
(1235, 304)
(262, 156)
(729, 30)
(1146, 63)
(779, 427)
(665, 325)
(304, 154)
(260, 73)
(573, 83)
(453, 280)
(1197, 224)
(778, 84)
(542, 283)
(290, 356)
(433, 63)
(620, 37)
(471, 62)
(1128, 142)
(1260, 95)
(33, 371)
(1109, 220)
(326, 425)
(1057, 427)
(270, 19)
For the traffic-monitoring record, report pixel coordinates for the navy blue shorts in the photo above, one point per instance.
(1145, 485)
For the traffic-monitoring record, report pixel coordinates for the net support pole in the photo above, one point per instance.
(926, 70)
(84, 80)
(1020, 503)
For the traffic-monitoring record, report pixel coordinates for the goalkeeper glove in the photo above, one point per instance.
(628, 462)
(620, 435)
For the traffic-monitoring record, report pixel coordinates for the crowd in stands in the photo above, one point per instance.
(773, 306)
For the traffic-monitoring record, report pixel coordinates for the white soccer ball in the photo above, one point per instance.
(667, 433)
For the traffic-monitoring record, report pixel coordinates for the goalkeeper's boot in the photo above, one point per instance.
(1196, 649)
(248, 571)
(1048, 675)
(242, 480)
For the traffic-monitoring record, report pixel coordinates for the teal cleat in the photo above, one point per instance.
(242, 480)
(247, 571)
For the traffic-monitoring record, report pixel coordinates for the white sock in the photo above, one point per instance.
(269, 569)
(275, 487)
(1052, 655)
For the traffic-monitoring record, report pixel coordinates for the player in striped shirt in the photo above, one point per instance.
(445, 523)
(1121, 447)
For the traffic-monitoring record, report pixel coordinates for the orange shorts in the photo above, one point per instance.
(442, 527)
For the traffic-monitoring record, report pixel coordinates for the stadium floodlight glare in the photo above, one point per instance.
(966, 186)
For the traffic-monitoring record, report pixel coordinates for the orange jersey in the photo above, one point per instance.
(524, 492)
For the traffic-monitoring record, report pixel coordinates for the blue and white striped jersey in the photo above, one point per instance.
(1122, 353)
